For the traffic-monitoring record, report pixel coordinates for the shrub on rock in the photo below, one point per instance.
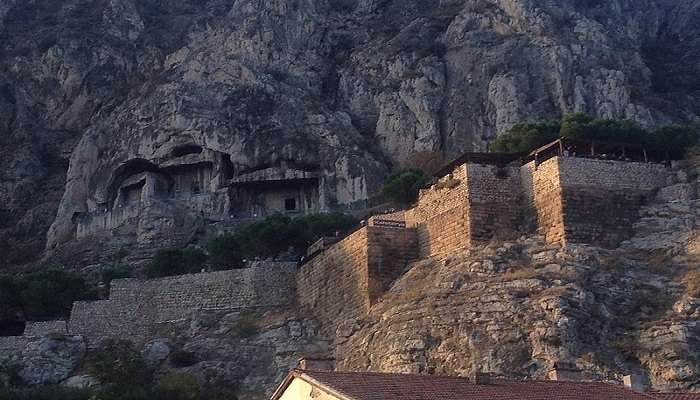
(402, 187)
(171, 262)
(182, 358)
(117, 363)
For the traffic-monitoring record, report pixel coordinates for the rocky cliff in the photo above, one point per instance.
(511, 308)
(347, 86)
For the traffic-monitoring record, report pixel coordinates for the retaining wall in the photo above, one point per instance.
(345, 280)
(584, 200)
(493, 196)
(45, 328)
(135, 306)
(441, 216)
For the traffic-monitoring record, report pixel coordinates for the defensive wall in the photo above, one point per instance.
(587, 200)
(565, 199)
(471, 205)
(346, 279)
(136, 306)
(10, 345)
(441, 216)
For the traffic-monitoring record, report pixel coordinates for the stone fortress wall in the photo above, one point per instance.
(33, 330)
(494, 202)
(45, 328)
(584, 200)
(565, 199)
(543, 207)
(441, 216)
(472, 205)
(345, 280)
(601, 198)
(136, 306)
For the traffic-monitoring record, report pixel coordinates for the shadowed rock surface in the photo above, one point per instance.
(93, 91)
(348, 86)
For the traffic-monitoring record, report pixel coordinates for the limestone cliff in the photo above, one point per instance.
(345, 86)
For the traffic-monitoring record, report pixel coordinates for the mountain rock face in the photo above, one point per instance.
(349, 87)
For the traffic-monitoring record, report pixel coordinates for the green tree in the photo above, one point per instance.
(273, 236)
(182, 358)
(268, 238)
(176, 385)
(225, 251)
(673, 139)
(171, 262)
(525, 137)
(583, 127)
(10, 300)
(402, 187)
(51, 293)
(118, 364)
(314, 226)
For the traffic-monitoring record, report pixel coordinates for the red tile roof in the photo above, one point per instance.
(380, 386)
(677, 396)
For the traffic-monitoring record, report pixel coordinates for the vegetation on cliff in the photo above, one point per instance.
(669, 140)
(170, 262)
(275, 235)
(402, 187)
(269, 238)
(124, 375)
(40, 296)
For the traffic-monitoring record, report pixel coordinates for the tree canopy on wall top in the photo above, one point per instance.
(402, 187)
(669, 140)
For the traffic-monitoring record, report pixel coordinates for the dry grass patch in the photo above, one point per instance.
(628, 345)
(525, 273)
(692, 156)
(691, 280)
(660, 263)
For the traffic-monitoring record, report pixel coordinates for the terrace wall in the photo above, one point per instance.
(344, 281)
(493, 196)
(441, 216)
(135, 305)
(601, 198)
